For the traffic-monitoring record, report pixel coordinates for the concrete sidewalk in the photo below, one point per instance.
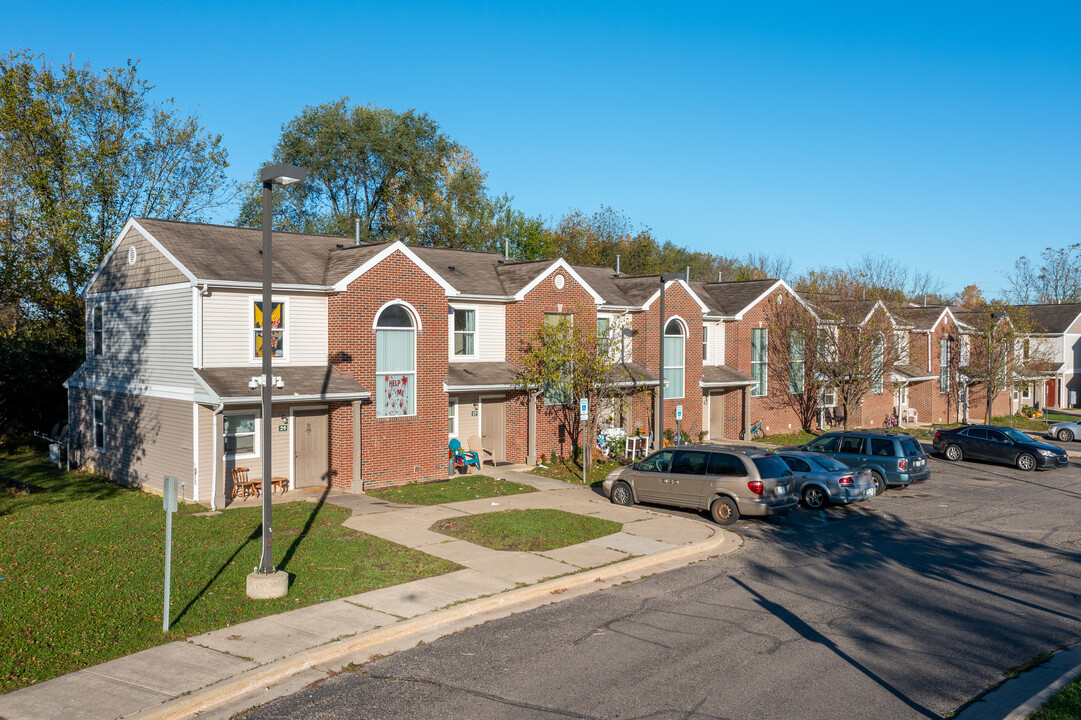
(220, 673)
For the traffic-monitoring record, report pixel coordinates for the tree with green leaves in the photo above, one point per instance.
(793, 360)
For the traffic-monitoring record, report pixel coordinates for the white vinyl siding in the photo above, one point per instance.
(148, 339)
(228, 325)
(716, 338)
(490, 334)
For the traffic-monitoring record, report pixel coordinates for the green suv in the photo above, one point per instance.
(894, 460)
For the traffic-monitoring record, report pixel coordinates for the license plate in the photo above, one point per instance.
(782, 489)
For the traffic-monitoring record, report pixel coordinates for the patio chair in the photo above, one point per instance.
(462, 458)
(484, 454)
(244, 486)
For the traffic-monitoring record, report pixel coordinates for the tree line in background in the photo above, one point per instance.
(81, 151)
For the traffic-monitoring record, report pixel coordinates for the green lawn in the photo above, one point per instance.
(790, 439)
(1063, 705)
(570, 470)
(82, 565)
(534, 530)
(462, 487)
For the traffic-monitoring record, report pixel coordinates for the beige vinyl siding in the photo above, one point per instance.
(146, 438)
(281, 458)
(491, 333)
(147, 339)
(279, 444)
(228, 327)
(151, 267)
(468, 423)
(206, 454)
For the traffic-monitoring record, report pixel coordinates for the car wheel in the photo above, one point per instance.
(1026, 462)
(953, 453)
(1065, 435)
(814, 497)
(724, 511)
(622, 495)
(880, 483)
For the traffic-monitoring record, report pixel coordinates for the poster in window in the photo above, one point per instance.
(276, 329)
(396, 395)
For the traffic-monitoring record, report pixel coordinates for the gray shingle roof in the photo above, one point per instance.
(480, 374)
(911, 372)
(921, 318)
(1053, 318)
(725, 376)
(632, 373)
(300, 382)
(604, 282)
(732, 298)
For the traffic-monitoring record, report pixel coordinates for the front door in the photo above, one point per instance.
(1051, 394)
(492, 422)
(716, 416)
(310, 448)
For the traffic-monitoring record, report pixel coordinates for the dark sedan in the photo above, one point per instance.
(998, 444)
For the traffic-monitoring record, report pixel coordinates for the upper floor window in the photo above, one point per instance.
(603, 328)
(900, 346)
(465, 331)
(238, 433)
(277, 328)
(705, 343)
(759, 355)
(395, 363)
(944, 365)
(796, 362)
(673, 359)
(559, 393)
(99, 331)
(878, 350)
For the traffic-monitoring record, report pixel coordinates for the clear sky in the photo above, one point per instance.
(944, 134)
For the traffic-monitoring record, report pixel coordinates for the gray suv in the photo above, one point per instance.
(894, 460)
(727, 481)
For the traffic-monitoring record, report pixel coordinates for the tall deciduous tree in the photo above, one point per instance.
(1055, 277)
(793, 358)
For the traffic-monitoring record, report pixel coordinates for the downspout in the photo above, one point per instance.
(214, 448)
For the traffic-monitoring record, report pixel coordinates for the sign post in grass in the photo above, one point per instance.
(169, 493)
(584, 410)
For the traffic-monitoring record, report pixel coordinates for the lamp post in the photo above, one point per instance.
(658, 412)
(265, 582)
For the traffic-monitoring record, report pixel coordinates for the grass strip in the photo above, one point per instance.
(528, 530)
(569, 470)
(1063, 705)
(82, 567)
(457, 489)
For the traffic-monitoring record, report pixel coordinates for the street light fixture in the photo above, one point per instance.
(658, 412)
(265, 582)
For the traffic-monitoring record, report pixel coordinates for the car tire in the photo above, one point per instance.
(814, 497)
(622, 494)
(953, 453)
(1065, 435)
(1026, 462)
(880, 483)
(724, 511)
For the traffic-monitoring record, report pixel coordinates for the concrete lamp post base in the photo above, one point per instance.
(266, 586)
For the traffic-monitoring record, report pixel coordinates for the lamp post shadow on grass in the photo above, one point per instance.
(288, 554)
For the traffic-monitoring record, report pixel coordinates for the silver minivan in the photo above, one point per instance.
(727, 481)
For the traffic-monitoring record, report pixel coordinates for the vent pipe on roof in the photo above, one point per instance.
(925, 299)
(617, 264)
(506, 248)
(688, 273)
(719, 276)
(357, 240)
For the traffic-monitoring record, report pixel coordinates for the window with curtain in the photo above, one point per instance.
(877, 355)
(759, 353)
(673, 359)
(395, 363)
(796, 363)
(464, 331)
(944, 365)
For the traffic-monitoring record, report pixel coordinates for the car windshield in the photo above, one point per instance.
(912, 447)
(771, 466)
(1016, 435)
(828, 463)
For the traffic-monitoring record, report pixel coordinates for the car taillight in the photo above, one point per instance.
(755, 486)
(846, 480)
(902, 464)
(937, 433)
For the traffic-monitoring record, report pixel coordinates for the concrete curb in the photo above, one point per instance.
(482, 609)
(1022, 711)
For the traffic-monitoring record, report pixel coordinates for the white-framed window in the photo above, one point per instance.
(98, 324)
(1026, 391)
(900, 345)
(604, 327)
(944, 365)
(465, 332)
(452, 415)
(878, 352)
(759, 355)
(796, 363)
(705, 343)
(395, 363)
(240, 434)
(829, 397)
(965, 345)
(559, 393)
(673, 359)
(99, 423)
(278, 328)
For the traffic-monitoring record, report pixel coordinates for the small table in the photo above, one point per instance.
(279, 483)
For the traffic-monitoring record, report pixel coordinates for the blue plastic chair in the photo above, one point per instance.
(463, 458)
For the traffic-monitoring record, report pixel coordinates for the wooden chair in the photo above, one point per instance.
(483, 454)
(244, 486)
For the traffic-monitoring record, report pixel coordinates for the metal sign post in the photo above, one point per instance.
(679, 424)
(169, 493)
(583, 409)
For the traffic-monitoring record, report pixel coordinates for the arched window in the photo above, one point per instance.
(395, 363)
(673, 359)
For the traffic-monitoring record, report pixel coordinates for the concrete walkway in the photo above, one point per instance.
(223, 672)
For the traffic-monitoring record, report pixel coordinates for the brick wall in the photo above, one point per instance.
(395, 450)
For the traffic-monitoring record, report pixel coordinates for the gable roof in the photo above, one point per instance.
(924, 318)
(1054, 319)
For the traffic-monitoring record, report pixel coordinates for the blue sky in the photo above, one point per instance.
(946, 135)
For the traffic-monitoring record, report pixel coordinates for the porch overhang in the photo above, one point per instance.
(319, 383)
(480, 377)
(724, 376)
